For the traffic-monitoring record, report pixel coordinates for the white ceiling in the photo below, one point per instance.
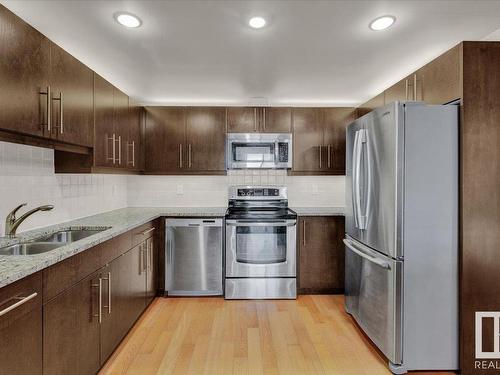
(311, 52)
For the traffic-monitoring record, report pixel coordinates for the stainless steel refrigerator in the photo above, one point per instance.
(401, 239)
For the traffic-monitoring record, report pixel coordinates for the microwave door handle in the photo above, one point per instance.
(371, 259)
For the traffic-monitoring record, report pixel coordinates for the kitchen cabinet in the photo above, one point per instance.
(21, 327)
(133, 151)
(151, 269)
(319, 139)
(121, 126)
(165, 138)
(24, 73)
(72, 330)
(441, 79)
(205, 139)
(72, 101)
(185, 140)
(259, 119)
(104, 142)
(377, 101)
(321, 254)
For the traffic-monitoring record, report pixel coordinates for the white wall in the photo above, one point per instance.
(27, 175)
(209, 191)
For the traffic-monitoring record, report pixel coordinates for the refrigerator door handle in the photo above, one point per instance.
(362, 140)
(354, 174)
(356, 178)
(374, 260)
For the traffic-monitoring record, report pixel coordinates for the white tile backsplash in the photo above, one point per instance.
(27, 175)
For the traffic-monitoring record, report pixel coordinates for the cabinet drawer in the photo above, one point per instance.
(20, 298)
(63, 275)
(142, 233)
(115, 247)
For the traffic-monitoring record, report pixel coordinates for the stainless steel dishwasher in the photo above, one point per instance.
(193, 257)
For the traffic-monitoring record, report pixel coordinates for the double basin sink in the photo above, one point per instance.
(48, 242)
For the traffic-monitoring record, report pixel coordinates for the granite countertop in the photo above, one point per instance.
(319, 211)
(15, 267)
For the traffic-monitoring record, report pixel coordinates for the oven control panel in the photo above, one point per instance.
(258, 192)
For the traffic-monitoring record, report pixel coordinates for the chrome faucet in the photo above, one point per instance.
(11, 223)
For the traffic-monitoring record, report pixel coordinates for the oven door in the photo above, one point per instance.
(260, 249)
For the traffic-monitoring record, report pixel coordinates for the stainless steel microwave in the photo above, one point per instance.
(259, 150)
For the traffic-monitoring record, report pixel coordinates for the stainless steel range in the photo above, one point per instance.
(260, 244)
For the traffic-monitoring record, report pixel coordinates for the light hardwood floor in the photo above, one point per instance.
(202, 336)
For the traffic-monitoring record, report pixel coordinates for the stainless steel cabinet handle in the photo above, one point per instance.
(61, 113)
(150, 255)
(319, 148)
(406, 89)
(415, 87)
(148, 231)
(145, 255)
(180, 155)
(131, 145)
(255, 119)
(374, 260)
(264, 118)
(114, 148)
(133, 153)
(141, 259)
(304, 233)
(20, 301)
(99, 307)
(108, 279)
(329, 147)
(49, 108)
(189, 156)
(119, 150)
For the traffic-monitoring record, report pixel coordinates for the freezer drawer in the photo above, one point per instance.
(193, 257)
(373, 290)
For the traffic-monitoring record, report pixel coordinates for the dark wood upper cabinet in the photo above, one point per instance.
(205, 138)
(321, 254)
(377, 101)
(21, 328)
(72, 85)
(276, 120)
(441, 80)
(335, 123)
(165, 137)
(133, 151)
(242, 120)
(103, 122)
(319, 139)
(307, 140)
(72, 331)
(121, 125)
(24, 76)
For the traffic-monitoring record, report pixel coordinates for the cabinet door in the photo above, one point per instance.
(21, 328)
(133, 156)
(165, 138)
(151, 270)
(124, 287)
(24, 75)
(120, 125)
(73, 113)
(321, 254)
(335, 121)
(400, 91)
(242, 120)
(276, 120)
(441, 78)
(104, 147)
(307, 140)
(206, 137)
(370, 105)
(71, 330)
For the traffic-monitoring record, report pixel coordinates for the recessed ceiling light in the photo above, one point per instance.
(257, 22)
(382, 23)
(127, 19)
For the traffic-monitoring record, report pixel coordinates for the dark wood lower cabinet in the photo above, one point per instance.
(21, 327)
(321, 254)
(72, 331)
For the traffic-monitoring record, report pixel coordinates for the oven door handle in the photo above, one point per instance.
(282, 223)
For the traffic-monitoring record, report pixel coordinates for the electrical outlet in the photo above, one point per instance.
(180, 189)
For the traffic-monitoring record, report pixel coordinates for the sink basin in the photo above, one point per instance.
(30, 248)
(70, 235)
